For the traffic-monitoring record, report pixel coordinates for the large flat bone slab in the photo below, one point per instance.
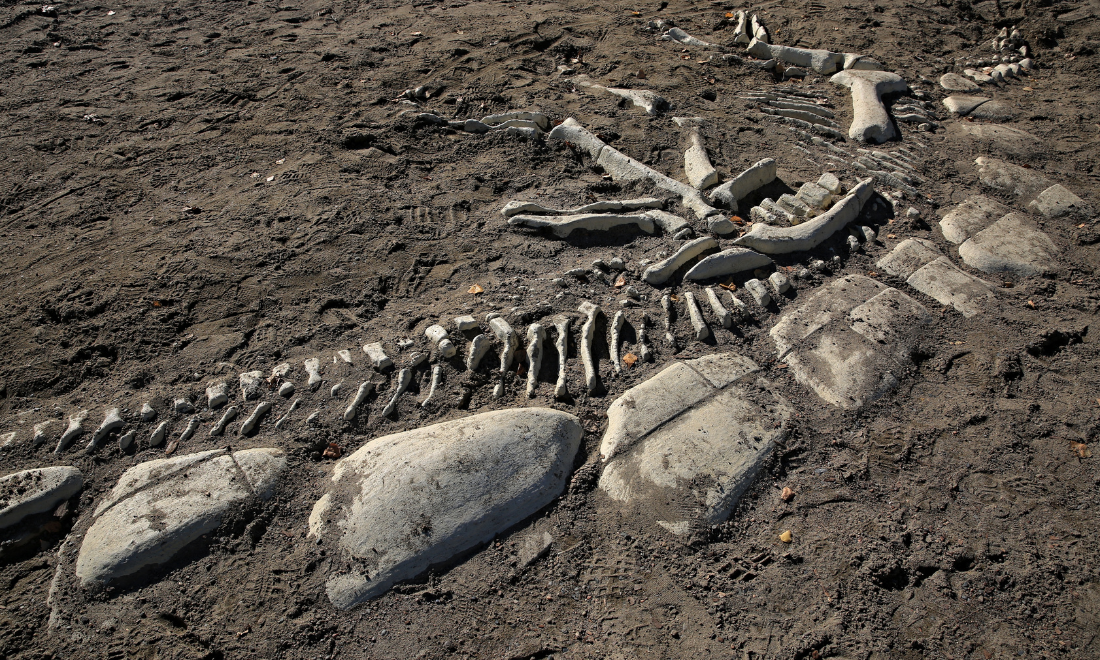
(516, 207)
(1012, 245)
(851, 340)
(659, 272)
(727, 262)
(159, 507)
(1009, 178)
(808, 235)
(684, 446)
(462, 482)
(871, 123)
(563, 225)
(1057, 201)
(970, 217)
(927, 270)
(822, 61)
(34, 491)
(740, 186)
(624, 168)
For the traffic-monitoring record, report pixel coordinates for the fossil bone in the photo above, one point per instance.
(76, 427)
(479, 346)
(588, 336)
(718, 308)
(111, 422)
(403, 380)
(253, 420)
(228, 416)
(536, 336)
(659, 272)
(697, 322)
(871, 123)
(810, 234)
(365, 388)
(437, 376)
(561, 324)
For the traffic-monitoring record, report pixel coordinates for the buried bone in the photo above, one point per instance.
(437, 334)
(189, 431)
(563, 225)
(700, 173)
(313, 368)
(111, 422)
(365, 388)
(437, 376)
(871, 123)
(217, 395)
(479, 346)
(76, 427)
(718, 308)
(378, 358)
(809, 234)
(509, 343)
(157, 437)
(588, 337)
(403, 380)
(515, 208)
(739, 187)
(253, 420)
(822, 61)
(561, 325)
(536, 336)
(644, 352)
(659, 272)
(283, 420)
(727, 262)
(228, 416)
(697, 322)
(40, 432)
(616, 339)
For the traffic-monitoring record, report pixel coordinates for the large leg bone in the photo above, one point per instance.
(616, 338)
(700, 173)
(809, 234)
(659, 272)
(561, 324)
(727, 262)
(871, 122)
(111, 422)
(718, 308)
(588, 336)
(509, 342)
(536, 335)
(697, 322)
(739, 187)
(254, 419)
(403, 380)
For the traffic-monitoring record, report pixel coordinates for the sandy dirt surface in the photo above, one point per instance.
(194, 190)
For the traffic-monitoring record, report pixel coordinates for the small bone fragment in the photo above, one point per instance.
(759, 32)
(158, 434)
(739, 187)
(478, 348)
(217, 395)
(342, 355)
(228, 416)
(351, 411)
(563, 225)
(739, 309)
(697, 322)
(147, 412)
(515, 208)
(192, 426)
(286, 390)
(280, 370)
(335, 390)
(416, 359)
(779, 282)
(727, 262)
(111, 422)
(282, 420)
(313, 368)
(76, 427)
(616, 340)
(403, 380)
(125, 440)
(464, 323)
(378, 358)
(718, 308)
(536, 335)
(561, 324)
(312, 419)
(659, 272)
(588, 337)
(679, 36)
(253, 420)
(670, 224)
(721, 226)
(810, 234)
(871, 123)
(793, 205)
(182, 406)
(539, 119)
(40, 432)
(759, 292)
(437, 375)
(474, 126)
(700, 173)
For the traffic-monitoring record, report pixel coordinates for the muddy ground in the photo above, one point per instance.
(192, 190)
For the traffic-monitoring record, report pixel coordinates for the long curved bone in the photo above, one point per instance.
(739, 187)
(871, 123)
(727, 262)
(76, 427)
(809, 234)
(254, 419)
(403, 380)
(536, 335)
(517, 207)
(659, 272)
(561, 324)
(588, 336)
(563, 225)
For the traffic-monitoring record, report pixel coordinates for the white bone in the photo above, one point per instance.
(351, 411)
(76, 427)
(871, 123)
(588, 336)
(536, 335)
(718, 308)
(111, 422)
(659, 272)
(810, 234)
(739, 187)
(437, 376)
(616, 339)
(697, 322)
(403, 380)
(228, 416)
(561, 324)
(479, 346)
(700, 173)
(254, 419)
(378, 357)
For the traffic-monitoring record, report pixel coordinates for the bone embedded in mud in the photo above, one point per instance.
(953, 82)
(217, 395)
(644, 351)
(147, 412)
(759, 32)
(1012, 245)
(342, 356)
(465, 323)
(759, 292)
(282, 421)
(189, 431)
(112, 421)
(286, 390)
(36, 491)
(377, 355)
(700, 173)
(815, 196)
(126, 439)
(666, 304)
(1057, 201)
(159, 507)
(871, 123)
(615, 346)
(335, 390)
(670, 224)
(587, 339)
(698, 325)
(515, 207)
(564, 225)
(821, 61)
(727, 262)
(229, 415)
(437, 378)
(479, 346)
(739, 187)
(572, 132)
(470, 491)
(808, 235)
(927, 270)
(541, 121)
(365, 388)
(679, 36)
(252, 421)
(780, 283)
(437, 334)
(536, 337)
(75, 428)
(741, 31)
(157, 436)
(403, 380)
(251, 381)
(508, 339)
(660, 272)
(313, 369)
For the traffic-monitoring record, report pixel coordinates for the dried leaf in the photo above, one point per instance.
(475, 289)
(738, 219)
(786, 536)
(635, 13)
(630, 359)
(872, 273)
(171, 448)
(620, 280)
(1081, 449)
(891, 236)
(787, 494)
(1031, 304)
(674, 298)
(728, 285)
(332, 451)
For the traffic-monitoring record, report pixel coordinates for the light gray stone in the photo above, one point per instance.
(286, 390)
(461, 483)
(182, 407)
(1057, 201)
(660, 272)
(779, 282)
(851, 340)
(147, 412)
(538, 119)
(1009, 178)
(759, 292)
(994, 111)
(465, 323)
(683, 446)
(727, 262)
(970, 217)
(1012, 245)
(944, 281)
(815, 196)
(159, 507)
(34, 491)
(870, 123)
(217, 395)
(908, 256)
(953, 82)
(377, 356)
(963, 105)
(251, 382)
